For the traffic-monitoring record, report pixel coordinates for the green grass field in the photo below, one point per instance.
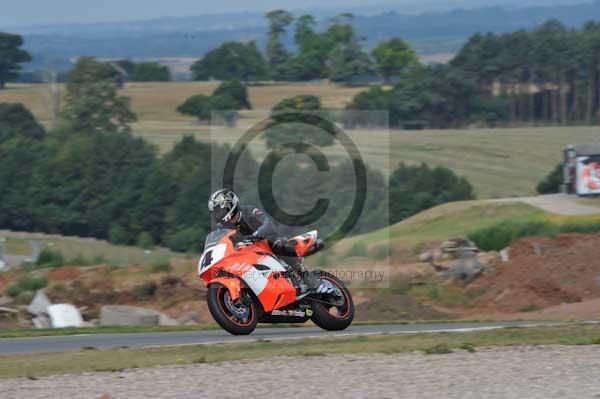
(112, 360)
(498, 162)
(456, 219)
(88, 248)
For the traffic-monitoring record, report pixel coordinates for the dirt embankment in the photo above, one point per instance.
(544, 273)
(545, 278)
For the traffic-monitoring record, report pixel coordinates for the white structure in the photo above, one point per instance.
(64, 315)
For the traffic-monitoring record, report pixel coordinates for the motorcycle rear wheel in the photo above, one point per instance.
(329, 317)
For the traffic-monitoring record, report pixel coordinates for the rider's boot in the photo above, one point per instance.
(310, 283)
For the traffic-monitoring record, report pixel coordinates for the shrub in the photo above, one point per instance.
(358, 249)
(381, 252)
(187, 239)
(439, 349)
(145, 290)
(31, 283)
(50, 258)
(24, 297)
(160, 266)
(499, 236)
(580, 227)
(13, 290)
(529, 308)
(59, 288)
(467, 346)
(118, 235)
(26, 283)
(80, 260)
(145, 241)
(552, 182)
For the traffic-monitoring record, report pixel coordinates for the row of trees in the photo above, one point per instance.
(438, 97)
(90, 177)
(335, 54)
(145, 71)
(550, 74)
(12, 56)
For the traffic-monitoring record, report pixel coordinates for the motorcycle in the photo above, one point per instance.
(248, 284)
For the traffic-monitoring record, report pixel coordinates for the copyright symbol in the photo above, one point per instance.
(277, 154)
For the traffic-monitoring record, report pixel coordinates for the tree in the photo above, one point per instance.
(18, 121)
(216, 109)
(349, 63)
(419, 187)
(188, 166)
(394, 57)
(303, 102)
(296, 125)
(341, 31)
(236, 90)
(197, 106)
(277, 55)
(553, 182)
(313, 51)
(150, 72)
(127, 65)
(224, 109)
(11, 55)
(92, 104)
(90, 184)
(373, 99)
(231, 61)
(304, 31)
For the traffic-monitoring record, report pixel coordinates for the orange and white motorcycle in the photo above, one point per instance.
(248, 284)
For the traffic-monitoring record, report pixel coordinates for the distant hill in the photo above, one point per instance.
(429, 32)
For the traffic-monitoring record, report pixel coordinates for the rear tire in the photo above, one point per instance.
(322, 314)
(241, 322)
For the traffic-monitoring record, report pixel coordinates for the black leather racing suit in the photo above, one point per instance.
(254, 221)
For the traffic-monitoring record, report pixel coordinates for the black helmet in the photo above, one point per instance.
(223, 204)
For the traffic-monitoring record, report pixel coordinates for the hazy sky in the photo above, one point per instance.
(25, 12)
(30, 12)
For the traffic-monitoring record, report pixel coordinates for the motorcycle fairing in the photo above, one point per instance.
(254, 268)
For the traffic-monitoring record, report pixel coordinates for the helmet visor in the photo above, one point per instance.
(221, 215)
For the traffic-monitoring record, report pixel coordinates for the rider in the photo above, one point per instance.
(250, 221)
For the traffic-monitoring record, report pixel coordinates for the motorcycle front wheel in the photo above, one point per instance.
(236, 317)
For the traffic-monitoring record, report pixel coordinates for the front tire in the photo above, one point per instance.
(329, 317)
(236, 318)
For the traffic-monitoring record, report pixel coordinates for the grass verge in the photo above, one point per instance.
(28, 332)
(89, 360)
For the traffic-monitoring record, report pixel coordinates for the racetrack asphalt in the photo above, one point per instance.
(137, 340)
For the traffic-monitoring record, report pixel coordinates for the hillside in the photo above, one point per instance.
(551, 277)
(498, 162)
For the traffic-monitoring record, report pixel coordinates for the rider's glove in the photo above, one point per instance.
(257, 236)
(251, 238)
